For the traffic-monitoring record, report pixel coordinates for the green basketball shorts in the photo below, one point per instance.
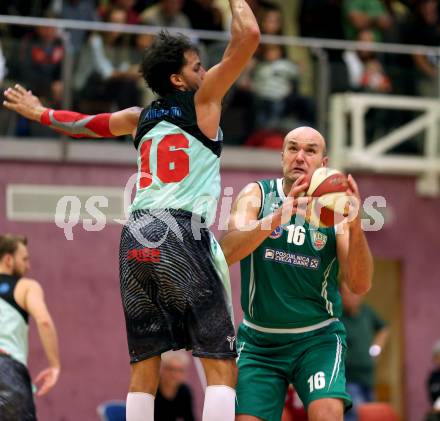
(314, 362)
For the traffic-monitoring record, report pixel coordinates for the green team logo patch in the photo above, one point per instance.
(319, 240)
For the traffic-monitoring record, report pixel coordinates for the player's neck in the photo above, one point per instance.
(287, 186)
(4, 270)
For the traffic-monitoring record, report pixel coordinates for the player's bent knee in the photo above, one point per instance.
(220, 371)
(326, 410)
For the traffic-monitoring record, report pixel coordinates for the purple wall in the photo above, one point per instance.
(80, 278)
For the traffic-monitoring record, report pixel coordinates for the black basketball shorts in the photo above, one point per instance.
(174, 287)
(16, 400)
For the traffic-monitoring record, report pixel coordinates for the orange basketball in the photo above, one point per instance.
(330, 205)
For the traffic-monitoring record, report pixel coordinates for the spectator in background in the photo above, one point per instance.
(78, 10)
(39, 64)
(367, 334)
(358, 15)
(366, 74)
(131, 15)
(365, 71)
(105, 73)
(433, 385)
(274, 81)
(167, 13)
(423, 28)
(174, 398)
(271, 20)
(241, 120)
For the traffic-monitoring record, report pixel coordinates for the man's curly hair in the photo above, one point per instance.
(163, 58)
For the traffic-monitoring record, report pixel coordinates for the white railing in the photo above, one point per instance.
(349, 147)
(323, 43)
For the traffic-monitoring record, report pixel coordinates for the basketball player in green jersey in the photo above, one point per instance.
(21, 297)
(289, 290)
(175, 292)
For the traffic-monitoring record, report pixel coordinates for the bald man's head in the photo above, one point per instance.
(306, 134)
(303, 152)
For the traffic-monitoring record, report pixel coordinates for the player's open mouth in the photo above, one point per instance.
(301, 170)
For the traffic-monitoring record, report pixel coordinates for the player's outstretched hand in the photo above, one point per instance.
(23, 102)
(47, 378)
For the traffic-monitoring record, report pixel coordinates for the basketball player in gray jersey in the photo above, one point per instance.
(20, 298)
(176, 294)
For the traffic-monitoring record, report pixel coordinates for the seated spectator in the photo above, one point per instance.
(167, 13)
(39, 64)
(273, 84)
(104, 72)
(365, 71)
(271, 20)
(423, 28)
(358, 15)
(174, 398)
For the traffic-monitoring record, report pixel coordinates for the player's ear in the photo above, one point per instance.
(177, 81)
(324, 161)
(8, 260)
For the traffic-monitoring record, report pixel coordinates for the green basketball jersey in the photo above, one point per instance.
(291, 280)
(178, 166)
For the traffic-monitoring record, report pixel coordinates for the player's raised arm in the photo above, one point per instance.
(71, 123)
(245, 36)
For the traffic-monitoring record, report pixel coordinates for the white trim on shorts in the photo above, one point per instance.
(292, 330)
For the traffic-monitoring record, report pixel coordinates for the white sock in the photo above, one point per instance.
(219, 404)
(140, 407)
